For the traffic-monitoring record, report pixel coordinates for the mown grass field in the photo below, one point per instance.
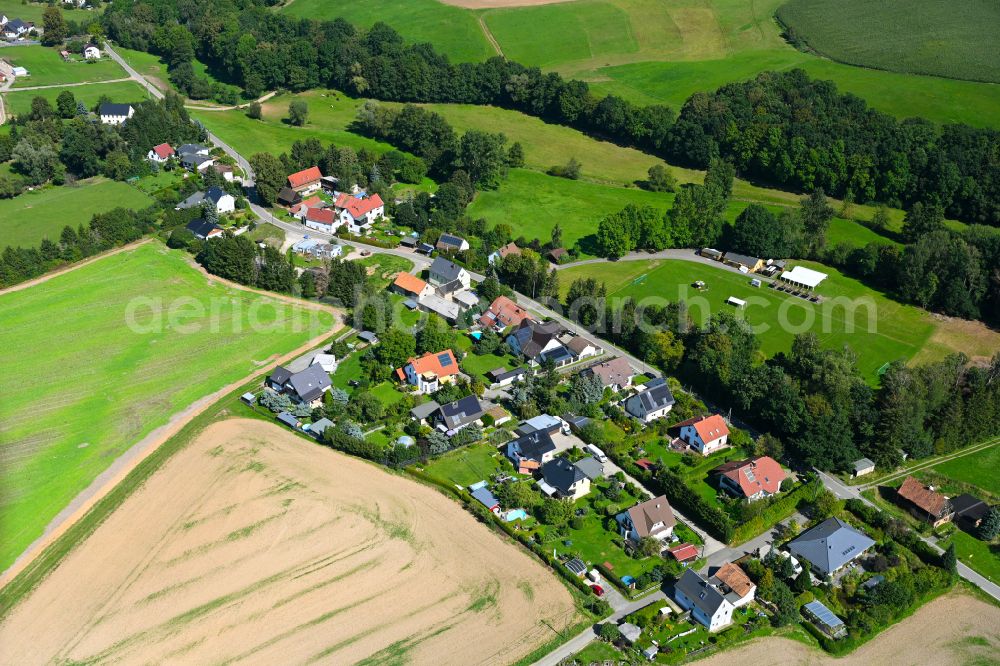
(454, 30)
(19, 101)
(877, 330)
(935, 37)
(33, 11)
(977, 469)
(86, 386)
(46, 67)
(28, 218)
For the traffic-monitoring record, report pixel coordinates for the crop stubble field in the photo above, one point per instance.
(88, 387)
(254, 545)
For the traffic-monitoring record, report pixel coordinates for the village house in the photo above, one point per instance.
(91, 52)
(734, 584)
(408, 285)
(218, 197)
(653, 518)
(306, 181)
(924, 502)
(830, 546)
(708, 605)
(563, 479)
(204, 230)
(114, 114)
(615, 374)
(160, 153)
(430, 372)
(531, 451)
(579, 346)
(299, 210)
(503, 313)
(705, 434)
(196, 161)
(505, 251)
(16, 28)
(321, 219)
(288, 198)
(454, 416)
(194, 149)
(539, 341)
(224, 170)
(501, 377)
(653, 403)
(445, 274)
(357, 213)
(304, 387)
(450, 243)
(317, 249)
(751, 479)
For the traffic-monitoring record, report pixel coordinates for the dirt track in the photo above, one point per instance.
(956, 629)
(254, 545)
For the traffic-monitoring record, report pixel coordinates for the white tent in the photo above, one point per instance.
(738, 302)
(801, 276)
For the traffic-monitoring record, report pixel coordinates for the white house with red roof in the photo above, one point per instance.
(160, 153)
(306, 181)
(430, 371)
(299, 210)
(503, 313)
(705, 434)
(751, 479)
(322, 219)
(359, 213)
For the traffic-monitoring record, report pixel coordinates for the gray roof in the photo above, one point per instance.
(700, 592)
(576, 421)
(279, 375)
(448, 239)
(743, 259)
(445, 271)
(201, 228)
(424, 410)
(862, 463)
(506, 374)
(288, 419)
(830, 545)
(317, 427)
(461, 412)
(192, 201)
(214, 194)
(485, 497)
(191, 148)
(310, 383)
(109, 109)
(630, 632)
(531, 446)
(656, 396)
(591, 467)
(534, 335)
(561, 474)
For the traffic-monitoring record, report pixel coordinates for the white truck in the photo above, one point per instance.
(597, 453)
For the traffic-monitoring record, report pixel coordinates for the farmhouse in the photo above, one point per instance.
(924, 502)
(803, 278)
(450, 243)
(502, 314)
(751, 479)
(445, 274)
(505, 251)
(653, 403)
(115, 114)
(429, 372)
(459, 414)
(359, 214)
(743, 262)
(652, 518)
(732, 582)
(536, 449)
(321, 219)
(160, 153)
(204, 230)
(306, 181)
(708, 605)
(562, 478)
(91, 52)
(705, 434)
(408, 285)
(830, 545)
(615, 374)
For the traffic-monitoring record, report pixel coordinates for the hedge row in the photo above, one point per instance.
(774, 513)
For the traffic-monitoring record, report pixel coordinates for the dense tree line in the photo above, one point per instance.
(783, 127)
(242, 260)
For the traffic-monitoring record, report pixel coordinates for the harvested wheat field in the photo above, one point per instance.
(252, 545)
(955, 629)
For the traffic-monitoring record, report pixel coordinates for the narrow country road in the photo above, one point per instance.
(68, 85)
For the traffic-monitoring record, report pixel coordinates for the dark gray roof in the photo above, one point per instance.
(424, 410)
(485, 497)
(830, 545)
(532, 446)
(558, 355)
(214, 194)
(192, 201)
(969, 507)
(448, 239)
(576, 421)
(742, 259)
(280, 375)
(201, 228)
(656, 396)
(461, 412)
(561, 474)
(506, 374)
(191, 148)
(408, 241)
(16, 24)
(534, 335)
(288, 195)
(310, 383)
(367, 336)
(700, 592)
(109, 109)
(318, 427)
(288, 419)
(591, 467)
(446, 270)
(194, 160)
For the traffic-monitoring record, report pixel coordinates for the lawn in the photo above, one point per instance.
(883, 330)
(121, 91)
(386, 393)
(383, 268)
(936, 37)
(33, 11)
(474, 364)
(468, 465)
(28, 218)
(454, 31)
(976, 554)
(98, 385)
(347, 369)
(978, 469)
(46, 67)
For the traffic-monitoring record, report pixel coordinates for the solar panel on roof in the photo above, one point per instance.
(444, 359)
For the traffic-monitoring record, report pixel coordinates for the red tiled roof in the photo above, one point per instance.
(321, 215)
(409, 283)
(304, 177)
(508, 249)
(431, 362)
(923, 497)
(163, 151)
(709, 428)
(311, 202)
(505, 312)
(684, 552)
(733, 577)
(754, 475)
(358, 208)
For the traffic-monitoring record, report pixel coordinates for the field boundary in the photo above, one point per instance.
(929, 464)
(72, 267)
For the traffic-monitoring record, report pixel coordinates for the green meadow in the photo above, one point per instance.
(876, 328)
(84, 386)
(936, 37)
(46, 67)
(977, 469)
(33, 11)
(29, 217)
(154, 69)
(19, 101)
